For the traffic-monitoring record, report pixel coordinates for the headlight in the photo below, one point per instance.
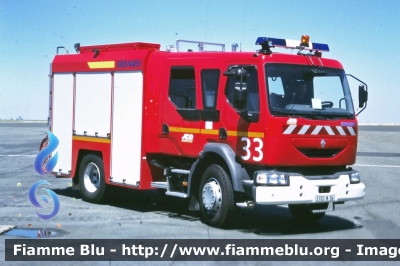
(354, 178)
(271, 179)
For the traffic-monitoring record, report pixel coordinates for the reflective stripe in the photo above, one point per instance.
(209, 131)
(245, 134)
(341, 131)
(351, 130)
(316, 130)
(329, 130)
(184, 130)
(303, 130)
(290, 129)
(91, 139)
(101, 64)
(232, 133)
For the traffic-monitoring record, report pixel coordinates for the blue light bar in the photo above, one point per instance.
(292, 44)
(274, 41)
(320, 47)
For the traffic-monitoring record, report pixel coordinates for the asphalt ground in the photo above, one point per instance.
(147, 214)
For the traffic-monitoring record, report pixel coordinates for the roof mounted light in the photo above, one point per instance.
(267, 42)
(305, 40)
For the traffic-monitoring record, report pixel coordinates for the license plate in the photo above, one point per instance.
(325, 198)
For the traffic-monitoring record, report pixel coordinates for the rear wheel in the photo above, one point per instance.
(304, 213)
(91, 178)
(216, 199)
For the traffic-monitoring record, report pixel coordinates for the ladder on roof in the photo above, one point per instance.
(199, 44)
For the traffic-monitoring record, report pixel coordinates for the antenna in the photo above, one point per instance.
(244, 17)
(205, 32)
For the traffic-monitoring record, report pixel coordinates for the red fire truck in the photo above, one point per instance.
(220, 129)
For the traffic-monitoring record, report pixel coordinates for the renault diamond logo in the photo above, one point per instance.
(323, 143)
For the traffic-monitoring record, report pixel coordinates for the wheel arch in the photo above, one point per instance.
(222, 155)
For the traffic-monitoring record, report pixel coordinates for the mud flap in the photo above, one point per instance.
(194, 204)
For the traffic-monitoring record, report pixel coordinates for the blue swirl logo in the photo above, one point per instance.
(35, 202)
(43, 164)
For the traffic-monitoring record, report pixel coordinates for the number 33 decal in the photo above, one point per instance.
(257, 149)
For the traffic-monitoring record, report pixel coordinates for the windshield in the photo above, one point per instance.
(304, 91)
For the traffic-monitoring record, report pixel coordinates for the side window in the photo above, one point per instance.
(182, 90)
(253, 96)
(209, 88)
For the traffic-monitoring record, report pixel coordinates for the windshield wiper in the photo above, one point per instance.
(312, 115)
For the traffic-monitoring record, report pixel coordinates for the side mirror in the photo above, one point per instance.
(241, 74)
(240, 95)
(362, 96)
(240, 92)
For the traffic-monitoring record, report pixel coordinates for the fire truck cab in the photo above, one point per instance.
(223, 129)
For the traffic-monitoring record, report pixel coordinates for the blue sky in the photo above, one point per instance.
(363, 35)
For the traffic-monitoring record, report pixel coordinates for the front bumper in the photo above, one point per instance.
(303, 190)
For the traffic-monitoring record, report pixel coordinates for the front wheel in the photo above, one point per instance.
(91, 178)
(216, 197)
(303, 212)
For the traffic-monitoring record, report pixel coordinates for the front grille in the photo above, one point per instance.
(320, 153)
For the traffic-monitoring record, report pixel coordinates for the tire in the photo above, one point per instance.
(303, 212)
(91, 178)
(217, 205)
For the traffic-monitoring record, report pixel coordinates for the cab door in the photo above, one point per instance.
(181, 113)
(243, 122)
